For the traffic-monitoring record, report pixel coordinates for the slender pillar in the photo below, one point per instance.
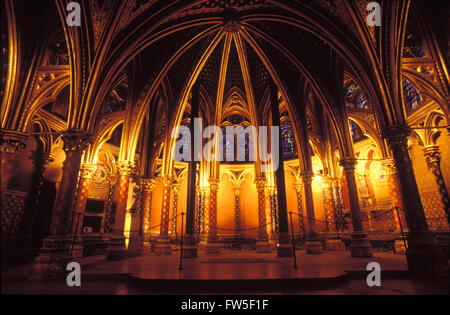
(333, 241)
(116, 247)
(212, 245)
(175, 191)
(163, 243)
(52, 259)
(190, 248)
(301, 220)
(284, 246)
(313, 244)
(40, 162)
(359, 246)
(396, 201)
(237, 211)
(109, 222)
(424, 256)
(434, 156)
(147, 185)
(86, 172)
(262, 243)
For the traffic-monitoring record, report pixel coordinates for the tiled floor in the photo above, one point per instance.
(106, 277)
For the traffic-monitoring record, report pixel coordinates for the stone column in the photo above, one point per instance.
(116, 247)
(175, 190)
(213, 245)
(313, 244)
(434, 156)
(262, 243)
(359, 246)
(163, 243)
(147, 185)
(108, 224)
(284, 247)
(86, 172)
(274, 212)
(333, 241)
(52, 259)
(424, 256)
(396, 201)
(237, 209)
(301, 220)
(40, 162)
(10, 144)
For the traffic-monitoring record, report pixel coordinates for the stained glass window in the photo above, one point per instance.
(355, 131)
(361, 101)
(350, 88)
(226, 143)
(287, 139)
(412, 98)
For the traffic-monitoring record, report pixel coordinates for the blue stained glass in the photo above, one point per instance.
(350, 88)
(361, 101)
(287, 139)
(411, 96)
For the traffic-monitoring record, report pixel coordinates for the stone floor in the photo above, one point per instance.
(236, 272)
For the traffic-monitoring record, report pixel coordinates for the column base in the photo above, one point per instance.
(334, 245)
(190, 249)
(212, 245)
(314, 247)
(360, 246)
(424, 256)
(134, 247)
(116, 248)
(162, 246)
(263, 246)
(284, 248)
(51, 261)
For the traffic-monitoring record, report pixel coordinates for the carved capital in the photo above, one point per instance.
(213, 184)
(87, 170)
(390, 166)
(12, 141)
(306, 177)
(166, 180)
(348, 164)
(433, 153)
(260, 183)
(112, 179)
(148, 184)
(76, 140)
(175, 188)
(397, 136)
(126, 168)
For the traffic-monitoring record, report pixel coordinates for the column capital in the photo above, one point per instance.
(298, 186)
(433, 153)
(12, 141)
(348, 164)
(148, 183)
(112, 179)
(390, 166)
(126, 168)
(87, 170)
(213, 184)
(260, 182)
(76, 140)
(306, 177)
(175, 187)
(396, 135)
